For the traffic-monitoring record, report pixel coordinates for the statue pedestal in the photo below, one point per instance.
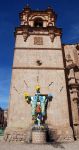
(39, 134)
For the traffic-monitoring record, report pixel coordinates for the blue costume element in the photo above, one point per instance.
(42, 100)
(39, 105)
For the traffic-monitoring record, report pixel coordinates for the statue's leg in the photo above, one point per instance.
(42, 100)
(34, 103)
(43, 109)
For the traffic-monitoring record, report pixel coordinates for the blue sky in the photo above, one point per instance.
(68, 20)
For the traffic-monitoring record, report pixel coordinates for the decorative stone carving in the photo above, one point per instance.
(52, 35)
(68, 58)
(38, 41)
(77, 47)
(25, 34)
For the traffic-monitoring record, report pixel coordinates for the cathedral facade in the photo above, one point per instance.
(40, 58)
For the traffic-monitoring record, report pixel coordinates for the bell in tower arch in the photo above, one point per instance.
(38, 22)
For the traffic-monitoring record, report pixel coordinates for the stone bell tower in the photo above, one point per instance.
(38, 59)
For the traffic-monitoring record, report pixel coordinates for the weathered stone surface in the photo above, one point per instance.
(38, 137)
(61, 135)
(18, 134)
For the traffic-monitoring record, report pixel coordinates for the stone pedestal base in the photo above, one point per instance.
(39, 135)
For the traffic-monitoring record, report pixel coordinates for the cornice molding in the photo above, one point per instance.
(40, 68)
(42, 29)
(24, 48)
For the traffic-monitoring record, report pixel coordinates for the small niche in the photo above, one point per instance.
(39, 63)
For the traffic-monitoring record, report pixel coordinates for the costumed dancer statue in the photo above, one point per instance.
(38, 102)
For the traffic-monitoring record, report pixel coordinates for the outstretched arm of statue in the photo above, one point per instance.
(28, 100)
(50, 96)
(27, 97)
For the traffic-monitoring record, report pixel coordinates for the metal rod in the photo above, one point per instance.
(25, 83)
(16, 90)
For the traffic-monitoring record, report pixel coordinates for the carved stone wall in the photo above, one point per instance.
(72, 71)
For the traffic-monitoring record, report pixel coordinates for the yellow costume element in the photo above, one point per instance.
(37, 87)
(26, 94)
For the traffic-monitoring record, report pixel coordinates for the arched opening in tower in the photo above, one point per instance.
(38, 22)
